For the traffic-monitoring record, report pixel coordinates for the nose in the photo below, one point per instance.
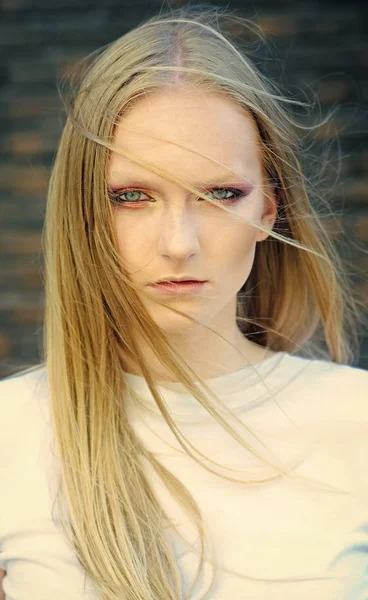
(178, 235)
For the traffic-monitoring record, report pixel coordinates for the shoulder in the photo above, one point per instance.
(20, 388)
(344, 373)
(328, 399)
(23, 405)
(346, 383)
(328, 402)
(331, 384)
(329, 369)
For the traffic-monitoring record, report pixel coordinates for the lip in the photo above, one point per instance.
(179, 287)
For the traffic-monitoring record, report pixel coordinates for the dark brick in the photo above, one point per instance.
(22, 213)
(27, 144)
(333, 90)
(31, 106)
(31, 70)
(278, 25)
(18, 36)
(5, 345)
(4, 76)
(31, 279)
(26, 277)
(361, 228)
(356, 192)
(28, 314)
(328, 130)
(24, 243)
(13, 5)
(30, 181)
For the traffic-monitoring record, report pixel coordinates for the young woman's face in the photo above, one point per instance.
(166, 232)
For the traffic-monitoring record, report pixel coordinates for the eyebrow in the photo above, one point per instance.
(129, 181)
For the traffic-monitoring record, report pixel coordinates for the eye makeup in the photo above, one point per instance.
(115, 195)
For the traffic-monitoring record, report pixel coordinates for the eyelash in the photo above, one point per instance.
(114, 196)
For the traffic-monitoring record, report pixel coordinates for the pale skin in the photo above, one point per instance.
(170, 232)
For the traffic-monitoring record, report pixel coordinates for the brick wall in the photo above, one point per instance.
(320, 46)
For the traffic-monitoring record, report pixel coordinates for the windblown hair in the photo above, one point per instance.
(297, 297)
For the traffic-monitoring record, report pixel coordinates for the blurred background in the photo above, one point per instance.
(314, 46)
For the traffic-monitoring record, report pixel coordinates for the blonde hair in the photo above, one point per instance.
(303, 297)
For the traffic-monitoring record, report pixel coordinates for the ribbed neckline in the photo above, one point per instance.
(183, 405)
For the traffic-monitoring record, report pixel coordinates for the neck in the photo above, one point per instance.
(208, 354)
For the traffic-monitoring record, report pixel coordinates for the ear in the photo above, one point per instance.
(269, 213)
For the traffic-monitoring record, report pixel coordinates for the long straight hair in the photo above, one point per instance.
(297, 298)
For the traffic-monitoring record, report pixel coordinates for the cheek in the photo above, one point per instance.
(132, 240)
(129, 248)
(234, 246)
(240, 260)
(243, 255)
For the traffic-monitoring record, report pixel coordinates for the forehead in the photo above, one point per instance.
(215, 133)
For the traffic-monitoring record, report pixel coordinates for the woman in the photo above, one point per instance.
(178, 162)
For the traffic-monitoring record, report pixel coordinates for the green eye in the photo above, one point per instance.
(131, 196)
(236, 193)
(116, 197)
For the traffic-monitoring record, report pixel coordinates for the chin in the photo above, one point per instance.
(178, 325)
(172, 323)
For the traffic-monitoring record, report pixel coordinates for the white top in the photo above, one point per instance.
(274, 540)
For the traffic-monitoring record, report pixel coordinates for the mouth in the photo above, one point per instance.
(178, 287)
